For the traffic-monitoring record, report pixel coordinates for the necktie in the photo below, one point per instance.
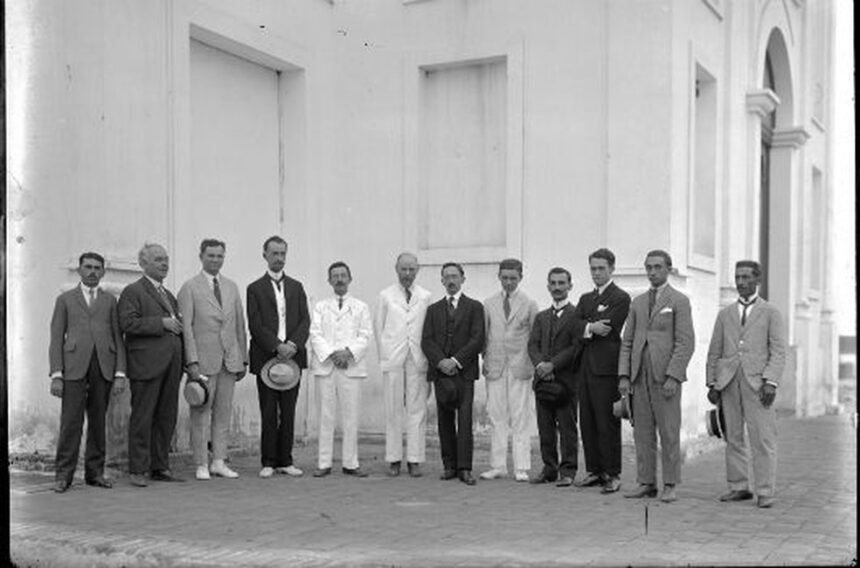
(746, 306)
(450, 305)
(216, 288)
(166, 298)
(340, 302)
(278, 282)
(652, 300)
(92, 296)
(408, 294)
(507, 306)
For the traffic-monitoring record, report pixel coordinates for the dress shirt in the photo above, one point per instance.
(750, 304)
(85, 290)
(587, 333)
(456, 298)
(282, 304)
(558, 306)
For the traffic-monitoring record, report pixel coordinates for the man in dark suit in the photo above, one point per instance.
(554, 344)
(452, 338)
(279, 322)
(603, 310)
(86, 355)
(656, 347)
(149, 316)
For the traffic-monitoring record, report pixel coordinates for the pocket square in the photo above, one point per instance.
(666, 310)
(601, 308)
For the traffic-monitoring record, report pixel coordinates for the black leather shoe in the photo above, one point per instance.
(164, 475)
(466, 477)
(393, 469)
(61, 486)
(322, 472)
(100, 482)
(643, 490)
(740, 495)
(448, 474)
(414, 469)
(355, 472)
(138, 480)
(544, 477)
(590, 480)
(611, 485)
(564, 481)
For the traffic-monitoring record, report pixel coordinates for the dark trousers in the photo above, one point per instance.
(556, 422)
(90, 394)
(278, 417)
(601, 430)
(154, 404)
(455, 428)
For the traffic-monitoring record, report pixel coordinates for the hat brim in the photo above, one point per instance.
(446, 392)
(716, 423)
(265, 375)
(189, 392)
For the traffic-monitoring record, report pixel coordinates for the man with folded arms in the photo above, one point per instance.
(746, 359)
(554, 344)
(87, 358)
(452, 340)
(656, 348)
(213, 324)
(508, 316)
(340, 331)
(279, 322)
(150, 318)
(397, 322)
(604, 310)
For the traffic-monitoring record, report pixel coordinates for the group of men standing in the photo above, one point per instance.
(572, 360)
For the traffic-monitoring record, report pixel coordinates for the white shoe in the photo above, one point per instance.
(290, 470)
(202, 472)
(521, 475)
(266, 472)
(221, 470)
(493, 474)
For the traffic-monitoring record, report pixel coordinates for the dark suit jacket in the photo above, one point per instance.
(613, 304)
(263, 320)
(467, 340)
(149, 348)
(560, 348)
(77, 329)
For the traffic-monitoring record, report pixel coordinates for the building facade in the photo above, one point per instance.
(466, 130)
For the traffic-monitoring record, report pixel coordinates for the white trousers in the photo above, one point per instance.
(742, 405)
(340, 390)
(405, 391)
(213, 416)
(509, 405)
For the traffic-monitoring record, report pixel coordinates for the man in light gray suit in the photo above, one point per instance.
(508, 318)
(746, 359)
(215, 348)
(656, 348)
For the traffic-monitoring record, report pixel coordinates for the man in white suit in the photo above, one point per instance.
(508, 317)
(398, 323)
(215, 349)
(340, 332)
(746, 359)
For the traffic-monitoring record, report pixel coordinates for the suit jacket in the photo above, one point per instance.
(149, 348)
(560, 347)
(333, 329)
(214, 334)
(668, 334)
(758, 347)
(263, 320)
(508, 338)
(77, 329)
(614, 305)
(467, 337)
(398, 326)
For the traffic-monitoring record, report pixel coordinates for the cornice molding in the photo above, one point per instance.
(792, 137)
(762, 102)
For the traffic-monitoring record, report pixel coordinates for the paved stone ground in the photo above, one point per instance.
(379, 521)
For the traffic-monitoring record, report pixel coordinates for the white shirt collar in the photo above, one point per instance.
(210, 277)
(752, 299)
(154, 282)
(602, 289)
(86, 289)
(455, 296)
(512, 295)
(275, 275)
(560, 305)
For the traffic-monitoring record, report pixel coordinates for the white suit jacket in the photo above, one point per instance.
(213, 335)
(758, 347)
(398, 326)
(508, 339)
(333, 329)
